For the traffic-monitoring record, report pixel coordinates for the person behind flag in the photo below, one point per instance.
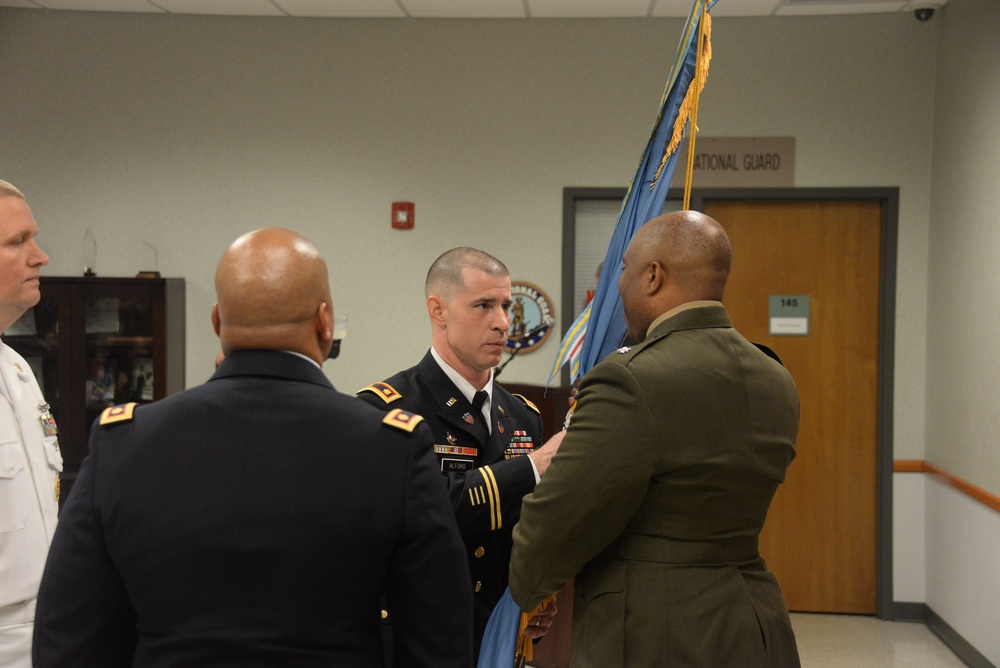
(680, 442)
(260, 518)
(30, 460)
(479, 445)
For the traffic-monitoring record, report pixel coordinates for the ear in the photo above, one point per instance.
(324, 323)
(654, 277)
(216, 321)
(324, 333)
(437, 309)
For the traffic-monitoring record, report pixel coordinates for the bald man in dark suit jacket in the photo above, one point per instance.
(258, 519)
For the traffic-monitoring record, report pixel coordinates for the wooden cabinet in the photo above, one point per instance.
(97, 342)
(553, 650)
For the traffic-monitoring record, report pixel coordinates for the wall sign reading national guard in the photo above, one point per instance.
(531, 318)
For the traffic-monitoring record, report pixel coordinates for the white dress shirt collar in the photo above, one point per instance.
(464, 386)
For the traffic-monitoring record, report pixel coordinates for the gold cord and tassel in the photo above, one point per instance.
(524, 651)
(689, 106)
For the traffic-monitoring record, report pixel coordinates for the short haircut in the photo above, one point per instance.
(445, 274)
(8, 190)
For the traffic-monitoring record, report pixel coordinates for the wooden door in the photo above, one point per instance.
(820, 535)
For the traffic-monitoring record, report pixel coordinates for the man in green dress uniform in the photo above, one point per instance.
(660, 488)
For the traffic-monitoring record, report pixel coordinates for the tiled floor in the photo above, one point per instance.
(834, 641)
(847, 641)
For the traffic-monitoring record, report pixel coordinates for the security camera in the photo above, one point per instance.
(924, 12)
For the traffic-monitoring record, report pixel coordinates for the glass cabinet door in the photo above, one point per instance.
(119, 352)
(98, 342)
(35, 336)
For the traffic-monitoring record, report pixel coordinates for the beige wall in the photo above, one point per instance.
(184, 131)
(963, 355)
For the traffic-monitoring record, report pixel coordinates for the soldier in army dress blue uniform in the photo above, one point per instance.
(488, 441)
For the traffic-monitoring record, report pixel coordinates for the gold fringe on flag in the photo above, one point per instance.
(524, 650)
(689, 106)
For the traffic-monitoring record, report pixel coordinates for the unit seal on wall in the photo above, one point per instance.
(531, 317)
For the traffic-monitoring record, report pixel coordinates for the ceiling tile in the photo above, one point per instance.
(829, 7)
(547, 9)
(226, 7)
(342, 8)
(675, 8)
(745, 8)
(470, 9)
(101, 5)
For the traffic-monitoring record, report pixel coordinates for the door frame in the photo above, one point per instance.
(889, 200)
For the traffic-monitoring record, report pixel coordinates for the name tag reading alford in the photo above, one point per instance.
(449, 465)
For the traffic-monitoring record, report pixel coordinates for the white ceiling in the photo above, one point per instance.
(511, 9)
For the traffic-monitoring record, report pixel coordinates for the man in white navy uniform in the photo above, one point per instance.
(30, 461)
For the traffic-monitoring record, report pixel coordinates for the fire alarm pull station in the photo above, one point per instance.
(402, 215)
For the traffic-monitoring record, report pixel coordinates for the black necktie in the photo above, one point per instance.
(477, 407)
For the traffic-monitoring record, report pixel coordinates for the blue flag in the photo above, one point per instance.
(500, 637)
(505, 644)
(605, 322)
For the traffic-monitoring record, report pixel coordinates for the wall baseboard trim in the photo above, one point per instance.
(921, 612)
(909, 612)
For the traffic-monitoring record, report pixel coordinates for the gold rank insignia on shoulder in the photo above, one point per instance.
(528, 403)
(115, 414)
(385, 391)
(402, 420)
